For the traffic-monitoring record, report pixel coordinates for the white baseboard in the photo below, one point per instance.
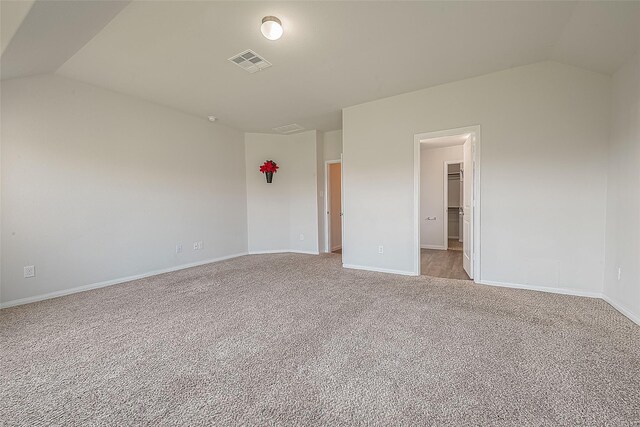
(563, 291)
(106, 283)
(575, 292)
(438, 247)
(453, 238)
(379, 270)
(335, 248)
(283, 251)
(622, 309)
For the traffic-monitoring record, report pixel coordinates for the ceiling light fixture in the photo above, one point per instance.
(212, 118)
(271, 27)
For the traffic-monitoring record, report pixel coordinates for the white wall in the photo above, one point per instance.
(623, 207)
(432, 193)
(279, 212)
(544, 131)
(332, 145)
(98, 186)
(331, 150)
(320, 214)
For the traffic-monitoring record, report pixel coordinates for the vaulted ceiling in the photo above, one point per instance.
(332, 54)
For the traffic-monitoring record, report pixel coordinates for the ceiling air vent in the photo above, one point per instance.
(288, 128)
(250, 61)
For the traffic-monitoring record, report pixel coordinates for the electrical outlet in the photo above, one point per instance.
(380, 249)
(197, 245)
(29, 271)
(179, 248)
(301, 236)
(619, 273)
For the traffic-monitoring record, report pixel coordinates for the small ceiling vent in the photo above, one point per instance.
(250, 61)
(289, 128)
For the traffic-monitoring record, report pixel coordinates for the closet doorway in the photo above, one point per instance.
(447, 201)
(453, 209)
(333, 205)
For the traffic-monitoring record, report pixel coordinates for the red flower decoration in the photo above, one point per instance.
(269, 166)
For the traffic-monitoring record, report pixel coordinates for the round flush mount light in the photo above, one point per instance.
(271, 27)
(212, 118)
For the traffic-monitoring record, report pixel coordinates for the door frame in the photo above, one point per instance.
(476, 225)
(445, 206)
(327, 204)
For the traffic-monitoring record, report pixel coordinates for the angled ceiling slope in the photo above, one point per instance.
(332, 54)
(51, 32)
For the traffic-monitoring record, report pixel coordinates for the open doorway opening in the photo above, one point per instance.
(454, 208)
(333, 203)
(447, 196)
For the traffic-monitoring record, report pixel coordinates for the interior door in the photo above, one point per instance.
(467, 207)
(341, 203)
(335, 181)
(460, 206)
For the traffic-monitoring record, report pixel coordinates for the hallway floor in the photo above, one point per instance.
(446, 264)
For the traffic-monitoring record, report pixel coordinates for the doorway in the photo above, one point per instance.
(453, 214)
(333, 203)
(447, 200)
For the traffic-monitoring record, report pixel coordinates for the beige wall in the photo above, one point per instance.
(544, 148)
(623, 207)
(278, 213)
(98, 186)
(331, 150)
(332, 145)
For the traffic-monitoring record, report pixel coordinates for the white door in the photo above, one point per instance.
(335, 203)
(460, 204)
(341, 203)
(467, 211)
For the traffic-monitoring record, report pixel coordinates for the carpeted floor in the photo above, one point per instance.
(296, 340)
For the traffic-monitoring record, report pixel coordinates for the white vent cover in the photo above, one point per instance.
(250, 61)
(289, 128)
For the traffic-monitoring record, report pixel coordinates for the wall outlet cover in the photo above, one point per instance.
(29, 271)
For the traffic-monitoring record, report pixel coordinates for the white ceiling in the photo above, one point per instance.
(336, 54)
(12, 13)
(51, 32)
(443, 141)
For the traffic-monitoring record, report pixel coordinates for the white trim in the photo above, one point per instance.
(327, 204)
(563, 291)
(283, 251)
(335, 248)
(106, 283)
(438, 247)
(378, 270)
(476, 193)
(622, 309)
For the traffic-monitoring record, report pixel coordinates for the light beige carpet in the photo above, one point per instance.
(297, 340)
